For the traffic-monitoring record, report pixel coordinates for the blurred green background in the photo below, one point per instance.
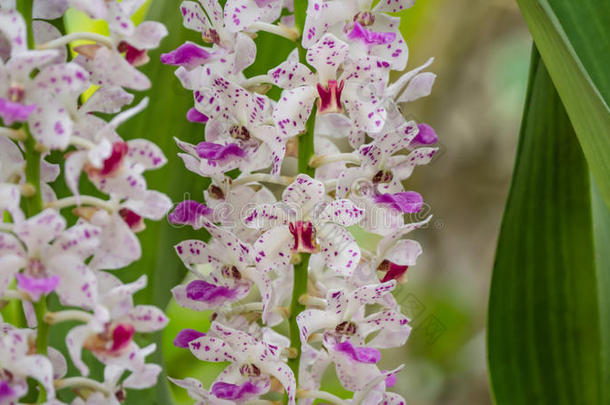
(482, 51)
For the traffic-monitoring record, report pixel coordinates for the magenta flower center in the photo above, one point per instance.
(330, 97)
(133, 55)
(392, 271)
(122, 336)
(133, 220)
(304, 237)
(113, 163)
(16, 93)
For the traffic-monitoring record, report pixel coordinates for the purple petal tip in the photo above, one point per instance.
(185, 336)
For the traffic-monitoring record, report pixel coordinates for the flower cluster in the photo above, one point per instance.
(285, 260)
(47, 250)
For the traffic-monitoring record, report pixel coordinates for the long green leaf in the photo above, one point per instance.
(544, 334)
(573, 38)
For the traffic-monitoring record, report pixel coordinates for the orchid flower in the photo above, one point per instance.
(52, 258)
(105, 61)
(345, 328)
(232, 50)
(116, 168)
(109, 332)
(253, 362)
(238, 127)
(231, 278)
(354, 92)
(370, 31)
(304, 221)
(17, 364)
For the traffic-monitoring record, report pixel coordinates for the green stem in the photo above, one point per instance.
(300, 288)
(306, 145)
(33, 204)
(25, 8)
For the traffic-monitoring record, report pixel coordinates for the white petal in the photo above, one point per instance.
(49, 9)
(293, 109)
(36, 232)
(194, 17)
(402, 166)
(326, 56)
(148, 35)
(118, 245)
(313, 320)
(420, 86)
(339, 248)
(393, 6)
(342, 212)
(153, 205)
(147, 318)
(74, 342)
(107, 99)
(109, 68)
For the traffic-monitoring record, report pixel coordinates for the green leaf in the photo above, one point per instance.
(545, 335)
(573, 38)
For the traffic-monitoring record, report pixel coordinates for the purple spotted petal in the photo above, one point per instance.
(216, 152)
(193, 115)
(425, 136)
(185, 336)
(228, 391)
(370, 37)
(189, 213)
(367, 355)
(200, 290)
(14, 112)
(188, 55)
(407, 202)
(35, 287)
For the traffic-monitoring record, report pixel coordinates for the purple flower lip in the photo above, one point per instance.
(35, 287)
(408, 202)
(200, 290)
(195, 116)
(425, 136)
(366, 355)
(12, 112)
(6, 392)
(219, 153)
(369, 37)
(188, 55)
(189, 212)
(185, 336)
(228, 391)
